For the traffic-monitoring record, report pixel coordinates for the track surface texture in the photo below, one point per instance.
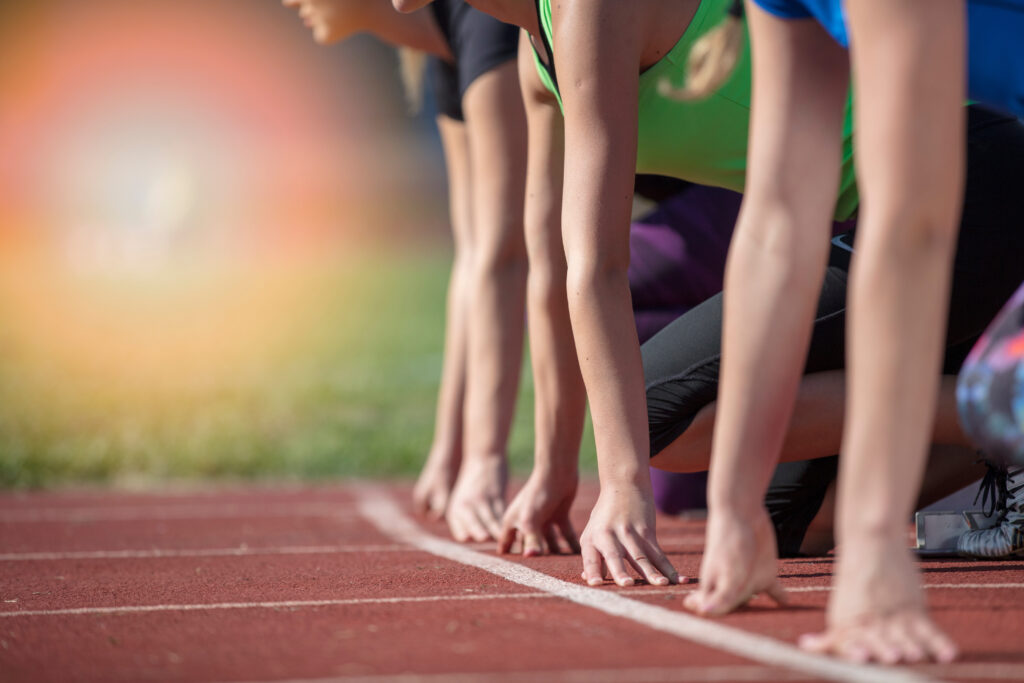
(344, 584)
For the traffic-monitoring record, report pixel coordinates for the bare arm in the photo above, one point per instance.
(910, 76)
(437, 478)
(773, 276)
(496, 130)
(598, 65)
(540, 512)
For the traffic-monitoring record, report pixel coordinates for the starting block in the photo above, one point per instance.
(937, 532)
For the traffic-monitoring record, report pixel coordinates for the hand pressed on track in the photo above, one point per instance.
(620, 535)
(477, 502)
(436, 481)
(539, 515)
(877, 610)
(740, 561)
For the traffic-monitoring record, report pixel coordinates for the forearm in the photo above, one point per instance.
(496, 320)
(609, 357)
(899, 296)
(448, 424)
(773, 276)
(559, 393)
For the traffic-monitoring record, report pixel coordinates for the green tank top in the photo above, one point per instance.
(703, 141)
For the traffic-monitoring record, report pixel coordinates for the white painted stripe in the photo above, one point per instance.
(281, 604)
(976, 671)
(240, 551)
(647, 675)
(184, 510)
(296, 604)
(380, 510)
(944, 586)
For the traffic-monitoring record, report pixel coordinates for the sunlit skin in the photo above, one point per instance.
(465, 476)
(910, 170)
(595, 43)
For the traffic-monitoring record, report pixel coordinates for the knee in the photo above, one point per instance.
(673, 404)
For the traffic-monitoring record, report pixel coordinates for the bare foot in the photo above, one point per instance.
(436, 481)
(740, 560)
(477, 502)
(877, 611)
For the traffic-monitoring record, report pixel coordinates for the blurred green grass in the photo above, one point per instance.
(353, 395)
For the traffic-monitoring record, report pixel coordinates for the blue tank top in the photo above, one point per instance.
(995, 38)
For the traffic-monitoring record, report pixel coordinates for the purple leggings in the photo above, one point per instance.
(677, 260)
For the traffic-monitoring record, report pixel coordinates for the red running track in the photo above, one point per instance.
(342, 584)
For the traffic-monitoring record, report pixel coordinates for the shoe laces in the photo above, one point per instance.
(993, 491)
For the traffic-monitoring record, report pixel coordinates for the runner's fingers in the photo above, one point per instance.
(727, 595)
(569, 534)
(457, 529)
(938, 646)
(532, 544)
(694, 600)
(637, 556)
(507, 538)
(474, 528)
(818, 643)
(593, 565)
(551, 538)
(490, 520)
(437, 506)
(877, 645)
(615, 560)
(777, 593)
(898, 633)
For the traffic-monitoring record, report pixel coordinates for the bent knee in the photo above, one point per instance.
(674, 403)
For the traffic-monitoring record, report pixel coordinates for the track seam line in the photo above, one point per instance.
(280, 604)
(684, 674)
(635, 675)
(239, 551)
(381, 511)
(184, 511)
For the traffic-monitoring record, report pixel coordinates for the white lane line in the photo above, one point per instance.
(945, 586)
(183, 510)
(686, 674)
(239, 551)
(378, 508)
(683, 674)
(281, 604)
(297, 604)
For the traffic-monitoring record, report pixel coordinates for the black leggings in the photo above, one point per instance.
(681, 363)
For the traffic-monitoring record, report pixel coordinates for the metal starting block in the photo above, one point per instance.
(937, 532)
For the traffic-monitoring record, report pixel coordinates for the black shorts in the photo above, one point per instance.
(681, 363)
(478, 43)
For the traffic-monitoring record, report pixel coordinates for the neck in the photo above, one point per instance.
(417, 30)
(520, 13)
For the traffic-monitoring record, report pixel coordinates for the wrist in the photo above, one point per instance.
(555, 468)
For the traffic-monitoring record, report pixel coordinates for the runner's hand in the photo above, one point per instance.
(435, 483)
(620, 534)
(740, 560)
(539, 515)
(478, 499)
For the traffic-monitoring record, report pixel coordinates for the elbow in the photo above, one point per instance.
(406, 6)
(596, 278)
(503, 251)
(778, 235)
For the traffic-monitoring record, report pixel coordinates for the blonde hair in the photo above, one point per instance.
(412, 65)
(712, 58)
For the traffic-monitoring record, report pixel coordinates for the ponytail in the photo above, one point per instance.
(412, 66)
(712, 58)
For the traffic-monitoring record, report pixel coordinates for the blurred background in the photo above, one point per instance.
(224, 249)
